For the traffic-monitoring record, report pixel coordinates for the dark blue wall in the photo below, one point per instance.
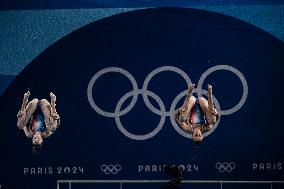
(141, 41)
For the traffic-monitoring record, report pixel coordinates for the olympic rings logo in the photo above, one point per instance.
(225, 167)
(113, 169)
(162, 109)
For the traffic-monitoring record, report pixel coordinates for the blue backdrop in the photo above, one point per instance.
(139, 42)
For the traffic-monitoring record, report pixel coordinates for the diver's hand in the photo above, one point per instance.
(27, 95)
(190, 89)
(53, 97)
(26, 99)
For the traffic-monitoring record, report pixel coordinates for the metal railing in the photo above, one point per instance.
(121, 182)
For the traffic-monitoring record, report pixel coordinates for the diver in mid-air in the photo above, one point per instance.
(197, 115)
(38, 119)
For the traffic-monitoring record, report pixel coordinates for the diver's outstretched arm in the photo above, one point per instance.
(26, 110)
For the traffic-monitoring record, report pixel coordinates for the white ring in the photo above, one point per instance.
(162, 112)
(117, 167)
(235, 71)
(232, 165)
(99, 74)
(151, 75)
(173, 111)
(145, 136)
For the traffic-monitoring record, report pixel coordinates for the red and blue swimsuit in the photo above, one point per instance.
(37, 121)
(196, 115)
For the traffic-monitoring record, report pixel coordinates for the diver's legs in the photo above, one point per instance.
(46, 110)
(31, 108)
(51, 118)
(189, 101)
(53, 103)
(26, 112)
(183, 113)
(210, 98)
(203, 104)
(208, 108)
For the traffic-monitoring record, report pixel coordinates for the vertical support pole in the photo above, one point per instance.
(69, 185)
(221, 185)
(270, 185)
(57, 185)
(120, 185)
